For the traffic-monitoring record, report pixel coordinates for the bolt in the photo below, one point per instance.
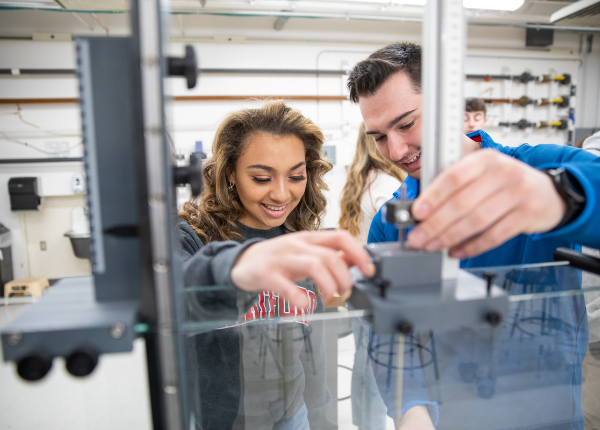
(403, 215)
(405, 327)
(161, 266)
(489, 276)
(14, 338)
(170, 389)
(117, 330)
(494, 318)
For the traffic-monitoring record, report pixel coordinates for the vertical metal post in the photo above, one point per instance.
(165, 347)
(444, 37)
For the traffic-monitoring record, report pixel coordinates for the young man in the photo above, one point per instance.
(494, 195)
(496, 206)
(475, 115)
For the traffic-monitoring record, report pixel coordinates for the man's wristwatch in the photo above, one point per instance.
(570, 191)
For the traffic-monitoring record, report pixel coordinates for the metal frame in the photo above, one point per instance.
(166, 347)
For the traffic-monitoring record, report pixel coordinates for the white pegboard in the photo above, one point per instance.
(484, 64)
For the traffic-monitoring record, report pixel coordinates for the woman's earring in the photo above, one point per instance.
(230, 186)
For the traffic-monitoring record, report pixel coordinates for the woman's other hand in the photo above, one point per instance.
(325, 257)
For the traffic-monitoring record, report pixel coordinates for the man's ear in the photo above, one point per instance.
(485, 120)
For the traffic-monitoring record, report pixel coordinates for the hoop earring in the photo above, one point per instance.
(230, 186)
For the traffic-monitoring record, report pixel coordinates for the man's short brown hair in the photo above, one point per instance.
(370, 74)
(475, 105)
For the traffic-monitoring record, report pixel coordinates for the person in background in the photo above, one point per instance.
(592, 144)
(590, 390)
(371, 180)
(475, 115)
(264, 181)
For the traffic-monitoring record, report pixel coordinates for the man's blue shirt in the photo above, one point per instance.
(537, 248)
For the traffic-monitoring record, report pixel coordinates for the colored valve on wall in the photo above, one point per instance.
(561, 124)
(561, 102)
(525, 77)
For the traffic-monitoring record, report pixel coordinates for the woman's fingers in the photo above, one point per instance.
(311, 266)
(289, 291)
(354, 253)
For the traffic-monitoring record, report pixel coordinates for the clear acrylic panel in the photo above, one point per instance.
(273, 366)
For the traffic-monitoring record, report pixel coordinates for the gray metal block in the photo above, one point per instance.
(406, 268)
(67, 319)
(459, 303)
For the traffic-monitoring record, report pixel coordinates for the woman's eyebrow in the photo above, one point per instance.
(262, 167)
(302, 163)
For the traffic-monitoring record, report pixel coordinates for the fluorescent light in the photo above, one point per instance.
(493, 4)
(392, 2)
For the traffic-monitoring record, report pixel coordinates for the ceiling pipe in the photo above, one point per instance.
(345, 16)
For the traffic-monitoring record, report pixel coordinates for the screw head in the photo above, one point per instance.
(117, 330)
(494, 318)
(170, 389)
(15, 338)
(403, 215)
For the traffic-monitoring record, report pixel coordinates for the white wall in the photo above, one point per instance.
(303, 44)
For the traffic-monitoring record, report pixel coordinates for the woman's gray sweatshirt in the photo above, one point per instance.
(267, 358)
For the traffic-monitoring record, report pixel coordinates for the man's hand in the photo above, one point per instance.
(325, 257)
(482, 201)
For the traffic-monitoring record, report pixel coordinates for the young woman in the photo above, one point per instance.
(265, 179)
(371, 182)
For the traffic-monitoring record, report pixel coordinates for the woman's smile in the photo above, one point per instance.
(275, 211)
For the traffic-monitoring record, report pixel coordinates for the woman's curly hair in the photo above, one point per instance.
(366, 157)
(213, 218)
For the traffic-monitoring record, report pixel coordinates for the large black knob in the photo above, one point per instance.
(34, 367)
(405, 327)
(191, 174)
(82, 363)
(186, 66)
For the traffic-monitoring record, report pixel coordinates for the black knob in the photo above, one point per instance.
(526, 77)
(405, 327)
(383, 285)
(191, 174)
(566, 80)
(494, 318)
(523, 124)
(564, 103)
(82, 363)
(34, 367)
(186, 66)
(564, 124)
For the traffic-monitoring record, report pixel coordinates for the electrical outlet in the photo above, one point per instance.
(43, 245)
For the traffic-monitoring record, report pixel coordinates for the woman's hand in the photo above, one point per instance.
(325, 257)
